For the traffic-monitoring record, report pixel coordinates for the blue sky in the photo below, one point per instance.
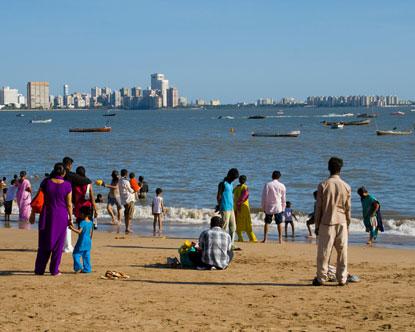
(232, 50)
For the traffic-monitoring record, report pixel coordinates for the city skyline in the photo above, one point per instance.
(235, 51)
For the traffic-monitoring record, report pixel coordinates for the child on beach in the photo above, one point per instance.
(83, 245)
(158, 211)
(310, 220)
(288, 216)
(134, 184)
(8, 201)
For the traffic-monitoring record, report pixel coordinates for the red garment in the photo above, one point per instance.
(134, 184)
(79, 200)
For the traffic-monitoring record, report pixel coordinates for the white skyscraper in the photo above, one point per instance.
(65, 90)
(9, 96)
(158, 82)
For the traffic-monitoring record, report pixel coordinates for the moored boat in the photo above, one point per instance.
(398, 113)
(294, 133)
(367, 115)
(256, 117)
(357, 123)
(41, 121)
(90, 130)
(393, 132)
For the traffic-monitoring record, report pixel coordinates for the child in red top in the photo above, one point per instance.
(134, 183)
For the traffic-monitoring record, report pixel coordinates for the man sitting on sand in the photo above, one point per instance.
(215, 247)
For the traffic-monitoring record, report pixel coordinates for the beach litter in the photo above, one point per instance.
(115, 275)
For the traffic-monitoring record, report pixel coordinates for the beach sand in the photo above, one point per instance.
(267, 287)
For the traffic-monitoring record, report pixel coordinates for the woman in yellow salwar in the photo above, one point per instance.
(242, 211)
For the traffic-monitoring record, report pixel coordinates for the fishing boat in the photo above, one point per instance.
(337, 125)
(357, 123)
(90, 130)
(398, 113)
(367, 115)
(41, 121)
(294, 133)
(256, 117)
(393, 132)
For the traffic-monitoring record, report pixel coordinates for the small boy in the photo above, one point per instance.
(310, 221)
(288, 216)
(83, 245)
(158, 211)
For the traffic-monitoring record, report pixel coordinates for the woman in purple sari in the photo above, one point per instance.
(24, 197)
(54, 220)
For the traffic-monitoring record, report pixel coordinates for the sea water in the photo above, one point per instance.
(187, 152)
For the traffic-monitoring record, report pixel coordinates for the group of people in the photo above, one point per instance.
(67, 193)
(331, 216)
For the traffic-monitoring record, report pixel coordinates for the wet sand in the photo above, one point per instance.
(267, 287)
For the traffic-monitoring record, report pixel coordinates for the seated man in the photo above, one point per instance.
(215, 247)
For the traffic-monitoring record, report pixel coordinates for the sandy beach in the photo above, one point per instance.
(267, 287)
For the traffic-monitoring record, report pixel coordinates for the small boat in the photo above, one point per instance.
(347, 114)
(294, 133)
(256, 117)
(398, 113)
(280, 113)
(225, 117)
(393, 132)
(20, 115)
(357, 123)
(337, 125)
(109, 114)
(90, 130)
(413, 110)
(41, 121)
(367, 115)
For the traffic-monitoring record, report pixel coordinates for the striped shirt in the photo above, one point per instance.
(216, 247)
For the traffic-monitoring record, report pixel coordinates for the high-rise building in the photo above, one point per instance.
(125, 92)
(172, 97)
(106, 91)
(38, 95)
(65, 90)
(136, 92)
(116, 99)
(158, 82)
(95, 92)
(9, 96)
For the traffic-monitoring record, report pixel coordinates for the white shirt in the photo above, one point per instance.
(273, 197)
(157, 202)
(126, 192)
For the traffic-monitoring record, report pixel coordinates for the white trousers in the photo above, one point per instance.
(329, 237)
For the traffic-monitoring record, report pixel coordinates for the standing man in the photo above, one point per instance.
(273, 204)
(127, 196)
(225, 202)
(332, 218)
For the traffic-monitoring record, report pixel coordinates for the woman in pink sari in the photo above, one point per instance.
(24, 197)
